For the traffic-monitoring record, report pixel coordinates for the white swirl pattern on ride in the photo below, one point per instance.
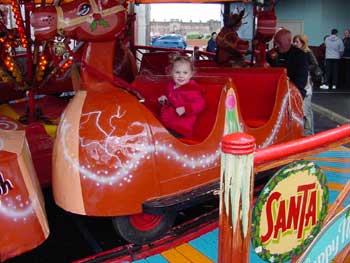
(270, 139)
(16, 208)
(7, 125)
(133, 146)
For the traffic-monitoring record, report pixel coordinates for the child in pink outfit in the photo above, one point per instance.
(184, 100)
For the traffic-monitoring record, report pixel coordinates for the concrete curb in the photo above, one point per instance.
(330, 114)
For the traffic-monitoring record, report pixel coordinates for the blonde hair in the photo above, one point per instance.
(304, 41)
(177, 57)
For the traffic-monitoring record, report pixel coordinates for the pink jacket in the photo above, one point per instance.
(191, 97)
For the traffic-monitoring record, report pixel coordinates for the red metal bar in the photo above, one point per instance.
(284, 150)
(200, 55)
(22, 55)
(31, 105)
(29, 45)
(206, 53)
(150, 48)
(131, 24)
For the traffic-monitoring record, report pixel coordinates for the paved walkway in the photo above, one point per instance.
(333, 104)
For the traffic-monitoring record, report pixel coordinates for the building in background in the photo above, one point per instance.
(176, 26)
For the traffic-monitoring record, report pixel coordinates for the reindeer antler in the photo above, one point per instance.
(233, 19)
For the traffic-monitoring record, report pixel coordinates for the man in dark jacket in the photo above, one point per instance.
(291, 58)
(346, 57)
(212, 43)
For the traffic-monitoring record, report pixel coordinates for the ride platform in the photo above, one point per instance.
(196, 241)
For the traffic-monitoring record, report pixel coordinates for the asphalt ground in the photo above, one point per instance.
(67, 242)
(333, 105)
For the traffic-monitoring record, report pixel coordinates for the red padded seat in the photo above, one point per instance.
(152, 88)
(256, 90)
(156, 63)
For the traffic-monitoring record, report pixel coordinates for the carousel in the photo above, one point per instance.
(79, 115)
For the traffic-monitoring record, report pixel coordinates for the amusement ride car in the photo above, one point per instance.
(112, 155)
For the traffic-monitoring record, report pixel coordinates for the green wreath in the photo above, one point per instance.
(257, 210)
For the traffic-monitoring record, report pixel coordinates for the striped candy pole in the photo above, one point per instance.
(236, 195)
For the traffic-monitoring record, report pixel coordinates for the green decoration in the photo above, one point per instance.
(308, 168)
(93, 25)
(99, 21)
(103, 23)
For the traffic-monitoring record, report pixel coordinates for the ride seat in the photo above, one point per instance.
(256, 90)
(256, 94)
(205, 63)
(151, 89)
(206, 120)
(156, 63)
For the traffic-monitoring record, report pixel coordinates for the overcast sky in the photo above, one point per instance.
(185, 12)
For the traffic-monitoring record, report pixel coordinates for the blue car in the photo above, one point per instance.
(170, 41)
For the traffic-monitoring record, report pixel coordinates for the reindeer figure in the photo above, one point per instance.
(230, 48)
(98, 23)
(99, 142)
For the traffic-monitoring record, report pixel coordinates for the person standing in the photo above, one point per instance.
(321, 57)
(211, 47)
(301, 41)
(346, 57)
(290, 57)
(334, 51)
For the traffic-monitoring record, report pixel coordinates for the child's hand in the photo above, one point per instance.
(180, 110)
(162, 99)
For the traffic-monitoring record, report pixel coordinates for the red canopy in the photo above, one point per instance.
(187, 1)
(7, 2)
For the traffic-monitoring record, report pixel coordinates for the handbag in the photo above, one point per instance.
(316, 74)
(314, 69)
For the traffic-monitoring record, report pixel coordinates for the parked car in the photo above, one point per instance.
(170, 41)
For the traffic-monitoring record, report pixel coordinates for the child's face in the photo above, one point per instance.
(181, 73)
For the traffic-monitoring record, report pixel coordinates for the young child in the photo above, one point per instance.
(183, 101)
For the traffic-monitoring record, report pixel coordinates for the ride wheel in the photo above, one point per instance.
(144, 228)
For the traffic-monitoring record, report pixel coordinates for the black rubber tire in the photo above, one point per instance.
(125, 226)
